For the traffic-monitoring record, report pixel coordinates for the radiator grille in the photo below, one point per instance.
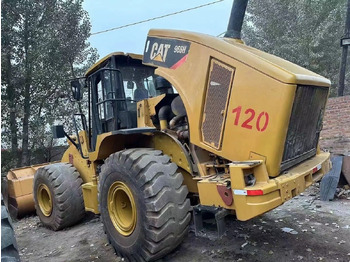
(305, 125)
(218, 90)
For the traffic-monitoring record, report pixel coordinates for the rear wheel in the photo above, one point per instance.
(58, 195)
(143, 204)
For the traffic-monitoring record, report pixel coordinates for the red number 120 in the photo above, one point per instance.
(262, 120)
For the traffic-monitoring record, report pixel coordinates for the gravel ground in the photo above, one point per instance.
(317, 231)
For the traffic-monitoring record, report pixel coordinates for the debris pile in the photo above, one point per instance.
(343, 192)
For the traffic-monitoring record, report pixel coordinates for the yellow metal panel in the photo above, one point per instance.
(20, 180)
(20, 188)
(163, 124)
(86, 169)
(189, 181)
(171, 147)
(84, 142)
(248, 207)
(143, 114)
(152, 102)
(147, 108)
(106, 144)
(260, 127)
(22, 205)
(268, 64)
(90, 197)
(209, 195)
(275, 191)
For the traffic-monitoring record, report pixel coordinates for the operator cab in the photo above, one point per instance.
(115, 85)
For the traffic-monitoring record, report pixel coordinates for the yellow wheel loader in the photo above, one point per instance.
(197, 123)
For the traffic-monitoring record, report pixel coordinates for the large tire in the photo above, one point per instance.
(9, 251)
(162, 210)
(58, 195)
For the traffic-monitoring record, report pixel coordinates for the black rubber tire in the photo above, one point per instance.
(9, 251)
(163, 210)
(64, 183)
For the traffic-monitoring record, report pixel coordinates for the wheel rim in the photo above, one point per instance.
(122, 208)
(44, 199)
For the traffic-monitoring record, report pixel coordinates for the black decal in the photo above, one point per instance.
(169, 53)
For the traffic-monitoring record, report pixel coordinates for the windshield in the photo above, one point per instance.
(139, 89)
(138, 82)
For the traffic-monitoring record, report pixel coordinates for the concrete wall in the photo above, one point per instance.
(335, 135)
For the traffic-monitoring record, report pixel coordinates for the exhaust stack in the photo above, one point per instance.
(234, 27)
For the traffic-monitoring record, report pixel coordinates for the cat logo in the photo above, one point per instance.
(159, 52)
(165, 52)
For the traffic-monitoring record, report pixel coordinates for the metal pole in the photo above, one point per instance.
(344, 54)
(236, 19)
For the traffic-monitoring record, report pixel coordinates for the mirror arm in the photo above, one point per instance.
(71, 140)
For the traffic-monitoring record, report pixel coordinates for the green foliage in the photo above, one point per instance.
(43, 44)
(8, 160)
(305, 32)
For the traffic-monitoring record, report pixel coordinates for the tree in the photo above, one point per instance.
(306, 32)
(44, 43)
(344, 53)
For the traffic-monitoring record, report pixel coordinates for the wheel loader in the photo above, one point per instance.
(195, 124)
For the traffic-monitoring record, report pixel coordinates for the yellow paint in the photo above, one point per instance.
(262, 82)
(163, 124)
(143, 114)
(84, 142)
(171, 147)
(90, 193)
(209, 195)
(44, 200)
(189, 181)
(152, 102)
(86, 169)
(122, 208)
(275, 191)
(20, 187)
(147, 108)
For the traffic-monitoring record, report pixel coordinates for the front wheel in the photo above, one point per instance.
(143, 204)
(58, 195)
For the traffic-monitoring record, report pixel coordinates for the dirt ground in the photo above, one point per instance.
(321, 232)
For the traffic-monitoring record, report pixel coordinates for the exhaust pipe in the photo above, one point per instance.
(234, 27)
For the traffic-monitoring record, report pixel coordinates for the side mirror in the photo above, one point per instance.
(58, 132)
(76, 89)
(130, 85)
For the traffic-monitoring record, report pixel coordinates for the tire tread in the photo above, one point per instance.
(167, 207)
(9, 250)
(67, 193)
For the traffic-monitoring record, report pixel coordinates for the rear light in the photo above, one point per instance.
(242, 192)
(315, 169)
(255, 192)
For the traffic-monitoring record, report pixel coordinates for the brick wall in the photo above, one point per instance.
(335, 135)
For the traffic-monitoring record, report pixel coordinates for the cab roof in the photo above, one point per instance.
(100, 62)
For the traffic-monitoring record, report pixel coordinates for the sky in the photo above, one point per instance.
(106, 14)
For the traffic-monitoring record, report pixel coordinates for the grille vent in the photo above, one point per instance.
(217, 96)
(305, 125)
